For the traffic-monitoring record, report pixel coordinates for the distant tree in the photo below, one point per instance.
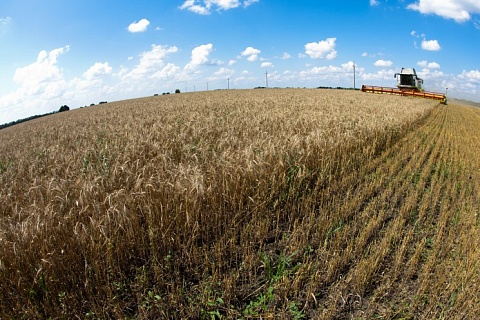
(64, 108)
(177, 90)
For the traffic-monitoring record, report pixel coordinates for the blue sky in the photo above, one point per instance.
(56, 52)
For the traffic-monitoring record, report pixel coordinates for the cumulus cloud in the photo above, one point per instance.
(331, 72)
(205, 7)
(97, 70)
(4, 23)
(223, 72)
(348, 66)
(42, 71)
(374, 3)
(221, 75)
(429, 65)
(458, 10)
(431, 75)
(383, 63)
(285, 56)
(41, 85)
(472, 76)
(430, 45)
(167, 72)
(151, 61)
(379, 76)
(267, 65)
(200, 56)
(139, 26)
(324, 49)
(251, 54)
(247, 3)
(190, 5)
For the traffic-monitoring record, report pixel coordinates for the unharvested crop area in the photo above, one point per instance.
(278, 203)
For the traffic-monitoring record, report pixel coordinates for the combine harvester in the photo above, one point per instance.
(408, 85)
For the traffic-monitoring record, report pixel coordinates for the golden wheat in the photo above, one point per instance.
(284, 203)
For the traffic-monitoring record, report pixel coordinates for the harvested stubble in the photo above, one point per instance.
(262, 203)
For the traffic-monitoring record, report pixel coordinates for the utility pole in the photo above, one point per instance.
(207, 85)
(354, 84)
(266, 79)
(228, 84)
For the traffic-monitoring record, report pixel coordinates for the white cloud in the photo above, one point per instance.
(431, 76)
(322, 49)
(251, 54)
(205, 7)
(430, 45)
(200, 56)
(458, 10)
(151, 61)
(247, 3)
(374, 3)
(41, 87)
(97, 70)
(223, 72)
(429, 65)
(44, 70)
(285, 56)
(383, 63)
(232, 62)
(473, 76)
(332, 73)
(476, 23)
(267, 65)
(383, 74)
(221, 75)
(4, 23)
(167, 72)
(139, 26)
(195, 8)
(348, 66)
(372, 55)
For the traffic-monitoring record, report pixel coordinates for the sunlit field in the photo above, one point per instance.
(267, 203)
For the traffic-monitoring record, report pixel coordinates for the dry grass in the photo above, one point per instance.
(256, 204)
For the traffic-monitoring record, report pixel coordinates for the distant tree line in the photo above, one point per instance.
(165, 93)
(340, 88)
(12, 123)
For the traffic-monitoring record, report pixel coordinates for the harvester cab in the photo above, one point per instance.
(407, 79)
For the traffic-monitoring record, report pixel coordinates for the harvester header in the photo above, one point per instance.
(408, 84)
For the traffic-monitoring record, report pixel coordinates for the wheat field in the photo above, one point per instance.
(243, 204)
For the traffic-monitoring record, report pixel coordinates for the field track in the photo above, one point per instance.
(413, 247)
(285, 211)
